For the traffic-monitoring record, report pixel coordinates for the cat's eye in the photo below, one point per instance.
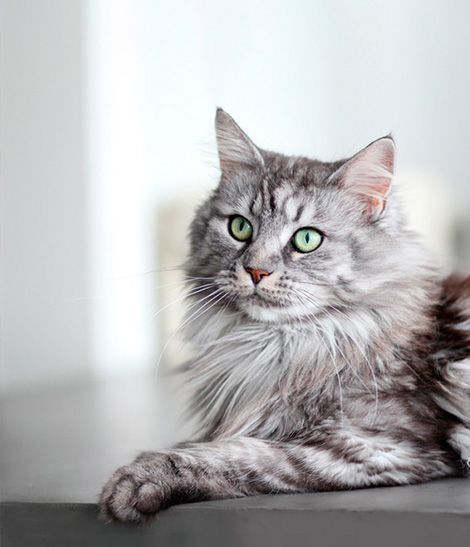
(240, 228)
(307, 240)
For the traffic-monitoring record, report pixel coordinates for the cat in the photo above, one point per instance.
(329, 353)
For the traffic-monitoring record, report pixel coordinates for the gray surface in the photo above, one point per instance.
(58, 447)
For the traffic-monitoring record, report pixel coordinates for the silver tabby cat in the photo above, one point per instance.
(329, 354)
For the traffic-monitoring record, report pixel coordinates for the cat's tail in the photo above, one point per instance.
(453, 356)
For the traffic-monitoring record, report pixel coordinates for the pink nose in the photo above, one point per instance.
(256, 275)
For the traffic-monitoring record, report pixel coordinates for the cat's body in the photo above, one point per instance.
(342, 367)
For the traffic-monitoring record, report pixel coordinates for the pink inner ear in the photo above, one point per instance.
(376, 206)
(389, 157)
(378, 203)
(369, 175)
(374, 193)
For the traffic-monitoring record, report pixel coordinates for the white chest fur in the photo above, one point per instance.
(240, 366)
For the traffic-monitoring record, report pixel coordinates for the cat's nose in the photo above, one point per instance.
(256, 274)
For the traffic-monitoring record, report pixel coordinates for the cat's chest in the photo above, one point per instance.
(255, 378)
(250, 352)
(243, 353)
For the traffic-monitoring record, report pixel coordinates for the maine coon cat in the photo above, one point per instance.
(329, 354)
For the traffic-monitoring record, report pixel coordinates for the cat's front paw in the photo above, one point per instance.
(136, 492)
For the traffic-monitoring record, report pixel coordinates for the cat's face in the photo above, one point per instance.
(283, 237)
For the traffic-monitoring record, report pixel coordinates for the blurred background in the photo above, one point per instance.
(107, 144)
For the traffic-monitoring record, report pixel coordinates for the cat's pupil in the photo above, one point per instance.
(307, 237)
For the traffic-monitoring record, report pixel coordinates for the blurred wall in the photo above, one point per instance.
(44, 332)
(107, 117)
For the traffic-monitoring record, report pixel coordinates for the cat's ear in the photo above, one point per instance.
(368, 175)
(235, 148)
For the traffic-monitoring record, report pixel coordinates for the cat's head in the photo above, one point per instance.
(284, 237)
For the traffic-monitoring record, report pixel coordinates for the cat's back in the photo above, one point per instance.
(453, 319)
(452, 357)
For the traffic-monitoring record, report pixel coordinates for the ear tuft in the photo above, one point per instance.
(369, 175)
(235, 148)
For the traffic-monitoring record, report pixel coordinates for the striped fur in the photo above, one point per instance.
(344, 368)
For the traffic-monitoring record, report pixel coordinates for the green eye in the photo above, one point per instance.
(307, 240)
(240, 228)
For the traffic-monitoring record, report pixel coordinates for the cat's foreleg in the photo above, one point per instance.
(246, 466)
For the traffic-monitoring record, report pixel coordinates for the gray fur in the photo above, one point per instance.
(345, 367)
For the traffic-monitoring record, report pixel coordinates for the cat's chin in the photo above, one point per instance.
(273, 313)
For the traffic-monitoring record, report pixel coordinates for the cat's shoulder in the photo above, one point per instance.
(456, 287)
(454, 306)
(453, 318)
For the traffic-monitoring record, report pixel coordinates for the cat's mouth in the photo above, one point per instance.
(257, 298)
(261, 295)
(259, 302)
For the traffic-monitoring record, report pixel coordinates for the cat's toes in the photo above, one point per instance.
(131, 495)
(148, 499)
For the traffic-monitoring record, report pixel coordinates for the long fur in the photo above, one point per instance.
(344, 368)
